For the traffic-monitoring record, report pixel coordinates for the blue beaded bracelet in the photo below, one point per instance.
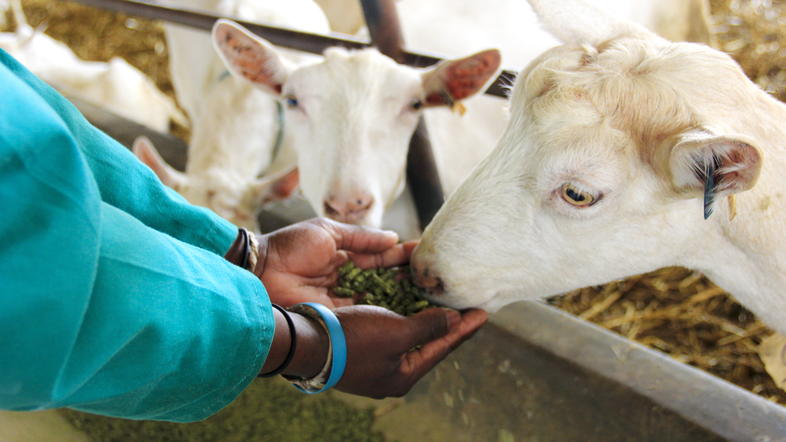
(338, 346)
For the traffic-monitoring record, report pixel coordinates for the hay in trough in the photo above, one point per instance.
(676, 311)
(681, 313)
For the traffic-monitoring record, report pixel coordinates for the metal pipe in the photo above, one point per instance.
(423, 176)
(384, 27)
(288, 38)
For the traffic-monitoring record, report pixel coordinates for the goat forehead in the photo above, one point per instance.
(364, 73)
(592, 155)
(646, 89)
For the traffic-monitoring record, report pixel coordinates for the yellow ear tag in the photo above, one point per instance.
(732, 207)
(459, 108)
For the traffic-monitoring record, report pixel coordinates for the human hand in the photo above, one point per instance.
(299, 263)
(380, 359)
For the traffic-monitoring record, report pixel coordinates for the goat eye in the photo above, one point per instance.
(417, 104)
(578, 198)
(292, 102)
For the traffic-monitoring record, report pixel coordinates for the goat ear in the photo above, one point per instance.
(455, 80)
(148, 154)
(732, 163)
(276, 187)
(249, 56)
(578, 22)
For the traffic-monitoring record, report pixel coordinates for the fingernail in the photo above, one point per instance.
(453, 318)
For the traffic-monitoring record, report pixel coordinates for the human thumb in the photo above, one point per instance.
(432, 324)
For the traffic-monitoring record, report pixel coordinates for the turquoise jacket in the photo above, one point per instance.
(114, 296)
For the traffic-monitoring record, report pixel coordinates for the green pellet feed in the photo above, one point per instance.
(390, 288)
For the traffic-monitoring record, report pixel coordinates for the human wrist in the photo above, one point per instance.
(244, 250)
(235, 252)
(335, 364)
(312, 350)
(282, 342)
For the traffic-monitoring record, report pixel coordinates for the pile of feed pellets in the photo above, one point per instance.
(390, 288)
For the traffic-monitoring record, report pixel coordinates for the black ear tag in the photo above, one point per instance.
(710, 185)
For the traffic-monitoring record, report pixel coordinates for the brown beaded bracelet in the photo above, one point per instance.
(252, 251)
(244, 251)
(292, 345)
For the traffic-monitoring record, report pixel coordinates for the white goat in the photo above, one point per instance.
(114, 85)
(238, 132)
(617, 141)
(352, 116)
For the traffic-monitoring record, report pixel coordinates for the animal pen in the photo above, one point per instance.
(535, 373)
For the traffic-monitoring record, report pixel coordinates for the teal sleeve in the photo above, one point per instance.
(128, 184)
(98, 310)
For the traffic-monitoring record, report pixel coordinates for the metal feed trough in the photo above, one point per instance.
(536, 372)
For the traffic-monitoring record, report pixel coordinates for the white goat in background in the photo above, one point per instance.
(348, 118)
(240, 153)
(114, 85)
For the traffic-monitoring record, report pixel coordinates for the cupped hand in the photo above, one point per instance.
(381, 361)
(302, 260)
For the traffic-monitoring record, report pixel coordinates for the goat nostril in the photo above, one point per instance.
(426, 280)
(363, 204)
(350, 210)
(439, 288)
(330, 210)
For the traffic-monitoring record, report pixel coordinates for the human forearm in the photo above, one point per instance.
(172, 332)
(311, 350)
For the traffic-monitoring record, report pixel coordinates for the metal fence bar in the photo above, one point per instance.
(288, 38)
